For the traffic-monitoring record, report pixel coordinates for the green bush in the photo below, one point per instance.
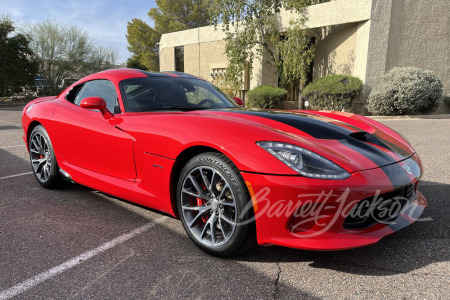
(333, 92)
(446, 99)
(404, 91)
(265, 96)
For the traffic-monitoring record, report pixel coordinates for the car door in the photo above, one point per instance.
(87, 140)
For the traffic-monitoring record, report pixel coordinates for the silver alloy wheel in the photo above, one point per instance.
(208, 206)
(41, 158)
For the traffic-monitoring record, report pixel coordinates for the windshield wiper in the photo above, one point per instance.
(183, 108)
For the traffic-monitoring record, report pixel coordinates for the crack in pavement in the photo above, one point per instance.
(277, 280)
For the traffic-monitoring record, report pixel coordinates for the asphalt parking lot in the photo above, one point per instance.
(76, 243)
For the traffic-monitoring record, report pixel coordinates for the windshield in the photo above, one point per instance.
(159, 93)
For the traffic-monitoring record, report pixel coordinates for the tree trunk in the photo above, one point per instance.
(301, 86)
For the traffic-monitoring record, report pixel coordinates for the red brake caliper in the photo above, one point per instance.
(200, 202)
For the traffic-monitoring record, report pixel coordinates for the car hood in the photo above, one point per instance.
(336, 135)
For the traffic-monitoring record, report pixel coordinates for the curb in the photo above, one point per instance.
(410, 117)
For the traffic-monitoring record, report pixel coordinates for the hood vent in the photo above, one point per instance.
(364, 136)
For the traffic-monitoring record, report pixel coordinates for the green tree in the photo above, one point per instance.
(168, 16)
(253, 32)
(135, 63)
(17, 64)
(142, 41)
(65, 51)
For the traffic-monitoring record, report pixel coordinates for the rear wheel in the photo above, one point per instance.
(43, 160)
(213, 205)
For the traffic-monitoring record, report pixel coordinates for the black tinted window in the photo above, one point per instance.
(72, 94)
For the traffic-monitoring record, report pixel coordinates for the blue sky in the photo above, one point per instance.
(105, 21)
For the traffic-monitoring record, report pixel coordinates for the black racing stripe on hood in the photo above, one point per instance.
(397, 149)
(324, 130)
(369, 151)
(306, 123)
(397, 175)
(394, 148)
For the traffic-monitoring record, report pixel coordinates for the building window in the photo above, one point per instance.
(179, 59)
(218, 73)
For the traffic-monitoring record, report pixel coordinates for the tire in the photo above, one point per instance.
(43, 160)
(213, 205)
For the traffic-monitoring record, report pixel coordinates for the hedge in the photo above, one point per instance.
(333, 92)
(405, 90)
(265, 96)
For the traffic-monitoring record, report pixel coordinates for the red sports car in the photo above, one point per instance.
(170, 141)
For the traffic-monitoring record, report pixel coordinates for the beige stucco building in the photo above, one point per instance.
(363, 38)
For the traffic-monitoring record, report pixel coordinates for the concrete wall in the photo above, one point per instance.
(408, 33)
(332, 13)
(167, 59)
(420, 37)
(335, 50)
(201, 53)
(212, 56)
(263, 73)
(378, 42)
(192, 59)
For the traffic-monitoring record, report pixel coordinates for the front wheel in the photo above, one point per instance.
(213, 205)
(43, 160)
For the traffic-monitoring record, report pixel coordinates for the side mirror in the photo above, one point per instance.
(98, 104)
(238, 101)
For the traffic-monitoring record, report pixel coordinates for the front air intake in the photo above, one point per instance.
(384, 208)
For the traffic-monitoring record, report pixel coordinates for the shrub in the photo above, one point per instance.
(446, 99)
(265, 96)
(333, 92)
(405, 90)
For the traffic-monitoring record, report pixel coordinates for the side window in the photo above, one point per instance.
(99, 88)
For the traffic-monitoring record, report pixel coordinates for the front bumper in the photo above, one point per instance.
(306, 213)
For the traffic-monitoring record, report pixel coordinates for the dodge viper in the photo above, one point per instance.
(170, 141)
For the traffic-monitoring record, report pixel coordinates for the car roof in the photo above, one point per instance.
(125, 73)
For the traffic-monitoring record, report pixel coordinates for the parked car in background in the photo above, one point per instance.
(42, 86)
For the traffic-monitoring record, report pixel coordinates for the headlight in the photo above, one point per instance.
(29, 108)
(305, 162)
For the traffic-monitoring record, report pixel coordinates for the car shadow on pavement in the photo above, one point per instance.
(414, 247)
(9, 127)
